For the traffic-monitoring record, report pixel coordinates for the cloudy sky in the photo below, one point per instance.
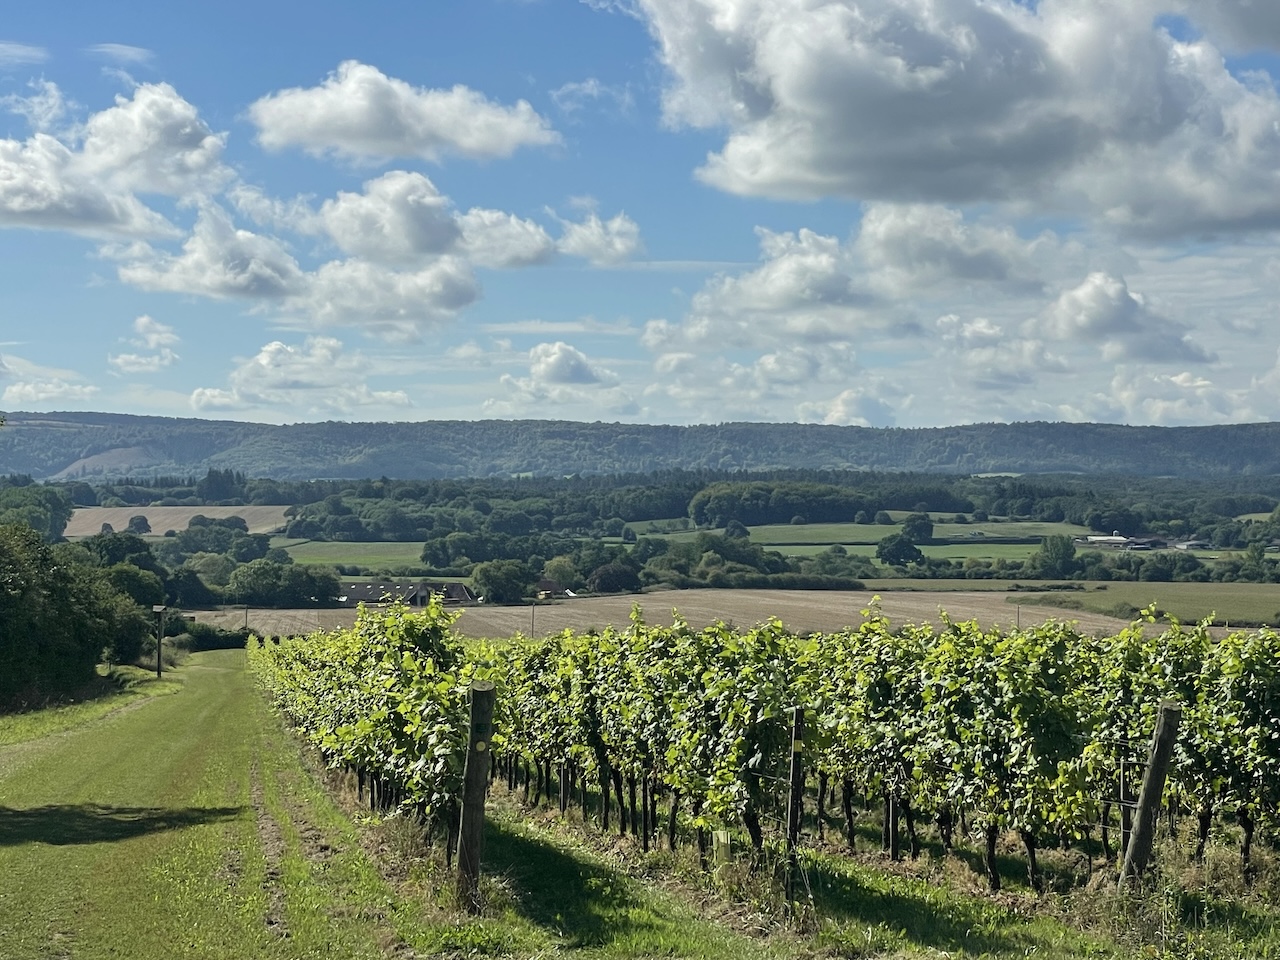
(876, 212)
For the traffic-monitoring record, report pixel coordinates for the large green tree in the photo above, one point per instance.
(502, 581)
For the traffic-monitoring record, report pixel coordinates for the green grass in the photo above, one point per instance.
(371, 555)
(114, 689)
(1230, 603)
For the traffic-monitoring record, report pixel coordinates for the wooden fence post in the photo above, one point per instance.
(1138, 852)
(795, 799)
(475, 779)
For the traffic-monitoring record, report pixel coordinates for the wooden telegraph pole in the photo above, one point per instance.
(475, 781)
(158, 609)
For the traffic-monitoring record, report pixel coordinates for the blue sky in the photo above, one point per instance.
(888, 212)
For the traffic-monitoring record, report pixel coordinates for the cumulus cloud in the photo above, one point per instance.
(1088, 105)
(982, 353)
(150, 335)
(906, 246)
(562, 375)
(151, 143)
(360, 112)
(219, 260)
(806, 288)
(602, 242)
(773, 384)
(866, 405)
(316, 376)
(400, 218)
(399, 305)
(32, 384)
(296, 215)
(560, 363)
(1144, 396)
(1102, 310)
(492, 238)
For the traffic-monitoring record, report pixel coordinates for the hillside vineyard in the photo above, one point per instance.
(1040, 731)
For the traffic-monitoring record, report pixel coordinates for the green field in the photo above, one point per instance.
(371, 555)
(1228, 603)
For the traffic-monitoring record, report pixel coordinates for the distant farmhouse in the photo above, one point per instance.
(414, 593)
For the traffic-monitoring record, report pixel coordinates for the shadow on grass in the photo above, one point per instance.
(69, 824)
(585, 903)
(924, 915)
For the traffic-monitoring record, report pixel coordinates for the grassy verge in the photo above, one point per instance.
(114, 689)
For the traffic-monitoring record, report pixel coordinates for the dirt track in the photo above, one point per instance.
(800, 610)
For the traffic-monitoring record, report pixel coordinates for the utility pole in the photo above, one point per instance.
(159, 609)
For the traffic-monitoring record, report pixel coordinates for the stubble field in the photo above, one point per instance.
(800, 610)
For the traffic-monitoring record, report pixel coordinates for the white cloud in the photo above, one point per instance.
(32, 383)
(122, 53)
(982, 354)
(491, 238)
(151, 335)
(1102, 310)
(26, 392)
(560, 363)
(572, 98)
(1139, 396)
(152, 143)
(399, 305)
(866, 405)
(400, 218)
(806, 288)
(295, 215)
(20, 54)
(360, 112)
(219, 260)
(1087, 105)
(44, 109)
(602, 242)
(318, 376)
(906, 246)
(562, 375)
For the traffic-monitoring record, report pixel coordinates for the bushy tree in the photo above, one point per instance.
(502, 581)
(897, 551)
(918, 528)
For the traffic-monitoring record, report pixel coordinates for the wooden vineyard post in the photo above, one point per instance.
(1138, 852)
(475, 778)
(795, 799)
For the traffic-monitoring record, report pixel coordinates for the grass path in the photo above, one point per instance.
(178, 827)
(186, 826)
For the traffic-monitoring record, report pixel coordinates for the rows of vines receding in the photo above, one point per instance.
(1031, 731)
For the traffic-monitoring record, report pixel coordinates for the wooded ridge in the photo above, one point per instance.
(104, 445)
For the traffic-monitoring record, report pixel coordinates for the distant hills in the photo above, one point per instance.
(107, 445)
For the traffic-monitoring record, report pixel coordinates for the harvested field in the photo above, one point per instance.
(801, 610)
(87, 521)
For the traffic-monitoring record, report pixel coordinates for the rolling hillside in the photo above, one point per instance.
(105, 445)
